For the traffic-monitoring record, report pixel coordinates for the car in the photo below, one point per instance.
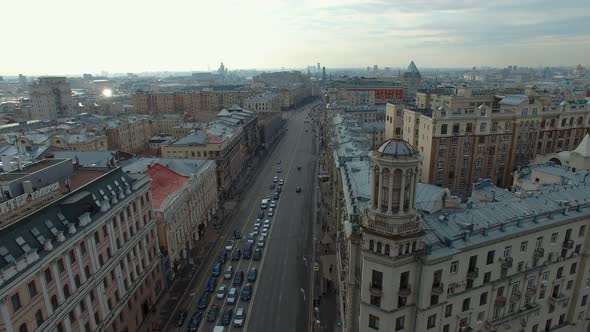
(279, 170)
(217, 269)
(251, 238)
(279, 189)
(239, 278)
(246, 292)
(226, 317)
(257, 254)
(229, 246)
(203, 301)
(252, 274)
(273, 204)
(275, 179)
(247, 251)
(221, 292)
(279, 162)
(298, 189)
(260, 214)
(232, 295)
(272, 186)
(267, 223)
(213, 313)
(258, 223)
(281, 182)
(235, 255)
(261, 242)
(180, 318)
(237, 234)
(222, 258)
(211, 284)
(276, 196)
(195, 321)
(239, 317)
(270, 212)
(255, 231)
(264, 232)
(229, 272)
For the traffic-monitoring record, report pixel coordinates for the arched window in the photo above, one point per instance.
(109, 253)
(371, 245)
(67, 291)
(387, 249)
(379, 247)
(87, 271)
(400, 250)
(77, 281)
(414, 246)
(407, 248)
(54, 302)
(23, 328)
(100, 260)
(39, 318)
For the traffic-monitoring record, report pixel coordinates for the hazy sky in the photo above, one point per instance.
(73, 36)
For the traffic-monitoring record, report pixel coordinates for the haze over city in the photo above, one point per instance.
(73, 37)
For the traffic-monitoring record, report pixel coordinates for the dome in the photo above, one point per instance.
(397, 147)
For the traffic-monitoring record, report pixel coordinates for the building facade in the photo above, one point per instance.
(80, 142)
(51, 98)
(89, 260)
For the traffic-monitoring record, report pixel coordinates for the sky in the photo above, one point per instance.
(60, 37)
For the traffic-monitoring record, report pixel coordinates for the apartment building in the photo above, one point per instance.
(183, 206)
(295, 95)
(81, 142)
(130, 135)
(202, 105)
(232, 139)
(408, 260)
(464, 139)
(51, 98)
(79, 253)
(264, 103)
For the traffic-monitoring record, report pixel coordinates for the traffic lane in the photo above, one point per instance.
(279, 296)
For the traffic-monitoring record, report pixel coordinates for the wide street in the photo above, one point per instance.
(281, 294)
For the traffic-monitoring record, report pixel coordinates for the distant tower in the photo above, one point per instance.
(375, 68)
(324, 74)
(319, 68)
(411, 80)
(579, 72)
(222, 70)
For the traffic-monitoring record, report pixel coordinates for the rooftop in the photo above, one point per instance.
(166, 185)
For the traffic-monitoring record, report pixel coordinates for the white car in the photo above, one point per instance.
(273, 204)
(255, 231)
(257, 224)
(239, 317)
(275, 179)
(264, 232)
(251, 238)
(270, 212)
(267, 223)
(261, 242)
(232, 296)
(220, 292)
(281, 182)
(230, 245)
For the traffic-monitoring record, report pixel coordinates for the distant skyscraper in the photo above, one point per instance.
(411, 80)
(375, 68)
(51, 98)
(319, 68)
(222, 70)
(324, 74)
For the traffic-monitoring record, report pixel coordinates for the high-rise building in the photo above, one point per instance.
(411, 80)
(51, 98)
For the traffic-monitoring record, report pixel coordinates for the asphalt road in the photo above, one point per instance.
(280, 300)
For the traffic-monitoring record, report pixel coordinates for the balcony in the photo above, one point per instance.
(531, 291)
(568, 244)
(494, 323)
(405, 290)
(438, 288)
(515, 297)
(500, 301)
(506, 262)
(559, 298)
(539, 252)
(473, 273)
(380, 225)
(375, 289)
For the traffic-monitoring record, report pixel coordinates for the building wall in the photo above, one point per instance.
(106, 278)
(51, 98)
(98, 143)
(131, 137)
(393, 121)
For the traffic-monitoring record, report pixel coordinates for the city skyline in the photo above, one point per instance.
(75, 38)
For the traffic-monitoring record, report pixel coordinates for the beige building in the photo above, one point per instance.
(51, 98)
(131, 135)
(264, 103)
(81, 254)
(80, 142)
(463, 139)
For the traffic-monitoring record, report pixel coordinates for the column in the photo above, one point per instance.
(48, 305)
(6, 316)
(379, 189)
(73, 287)
(90, 310)
(58, 285)
(412, 190)
(68, 324)
(390, 198)
(373, 186)
(80, 264)
(402, 193)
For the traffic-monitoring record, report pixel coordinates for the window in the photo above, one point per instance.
(431, 321)
(443, 129)
(374, 322)
(54, 302)
(376, 279)
(553, 237)
(582, 230)
(466, 303)
(515, 287)
(399, 323)
(72, 256)
(376, 300)
(490, 257)
(448, 310)
(482, 127)
(371, 245)
(446, 328)
(487, 277)
(87, 271)
(48, 277)
(559, 273)
(23, 328)
(39, 318)
(483, 298)
(32, 289)
(83, 248)
(573, 268)
(454, 266)
(15, 299)
(584, 300)
(523, 246)
(507, 251)
(67, 291)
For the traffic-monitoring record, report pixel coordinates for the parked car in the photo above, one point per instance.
(229, 271)
(273, 204)
(279, 170)
(203, 301)
(267, 223)
(180, 317)
(257, 254)
(239, 317)
(229, 245)
(261, 242)
(275, 196)
(235, 255)
(222, 258)
(195, 321)
(270, 213)
(252, 274)
(213, 313)
(221, 292)
(247, 292)
(226, 317)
